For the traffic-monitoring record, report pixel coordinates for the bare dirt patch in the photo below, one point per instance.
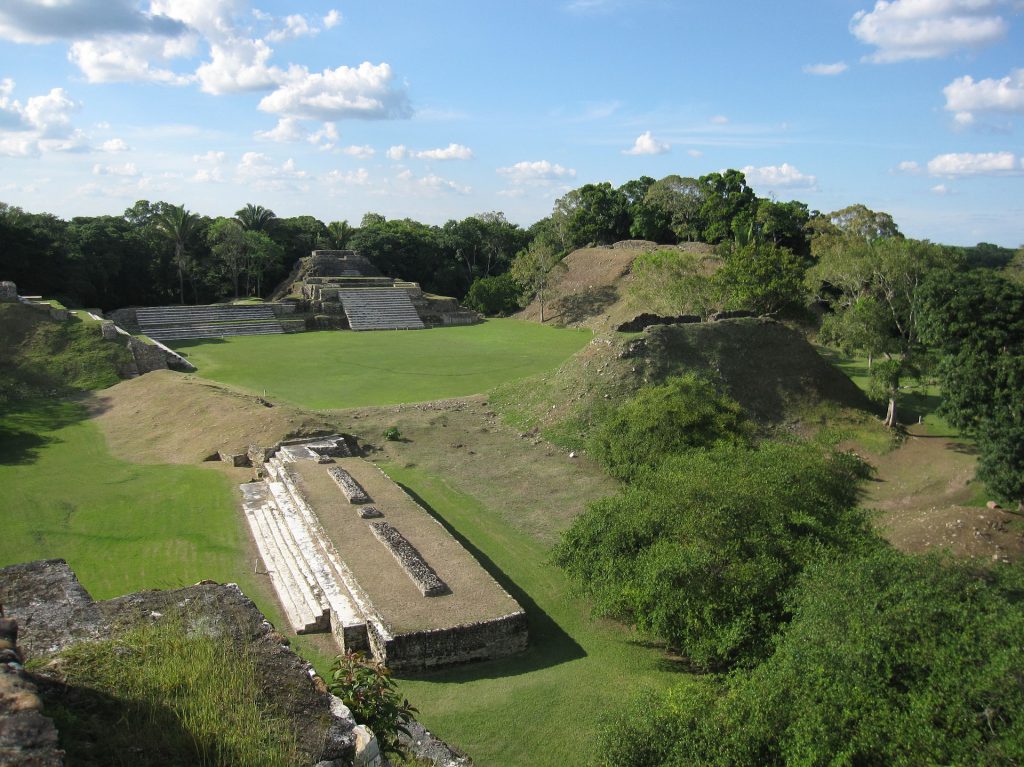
(926, 499)
(168, 417)
(536, 487)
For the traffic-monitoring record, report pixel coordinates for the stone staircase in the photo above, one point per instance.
(380, 309)
(174, 323)
(315, 588)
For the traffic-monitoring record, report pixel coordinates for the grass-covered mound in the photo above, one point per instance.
(768, 368)
(41, 356)
(329, 369)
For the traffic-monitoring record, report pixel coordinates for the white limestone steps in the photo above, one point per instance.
(351, 608)
(303, 610)
(379, 309)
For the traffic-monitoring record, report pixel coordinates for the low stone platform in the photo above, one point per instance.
(403, 589)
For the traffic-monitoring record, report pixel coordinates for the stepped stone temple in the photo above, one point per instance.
(349, 552)
(330, 289)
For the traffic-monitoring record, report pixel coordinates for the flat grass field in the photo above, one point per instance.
(328, 369)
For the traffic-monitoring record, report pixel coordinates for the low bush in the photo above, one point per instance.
(889, 659)
(685, 412)
(702, 552)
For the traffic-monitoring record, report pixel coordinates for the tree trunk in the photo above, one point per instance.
(890, 414)
(870, 356)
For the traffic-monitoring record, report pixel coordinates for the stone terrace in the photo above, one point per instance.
(331, 571)
(380, 309)
(173, 323)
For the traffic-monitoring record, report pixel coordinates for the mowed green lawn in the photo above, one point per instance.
(122, 526)
(331, 369)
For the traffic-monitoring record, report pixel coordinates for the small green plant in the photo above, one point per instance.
(371, 695)
(392, 434)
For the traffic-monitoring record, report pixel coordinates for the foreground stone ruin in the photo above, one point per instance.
(400, 588)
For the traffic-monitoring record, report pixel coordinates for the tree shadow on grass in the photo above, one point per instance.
(549, 645)
(28, 426)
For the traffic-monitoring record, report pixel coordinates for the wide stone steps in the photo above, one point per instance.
(350, 607)
(304, 610)
(170, 323)
(380, 309)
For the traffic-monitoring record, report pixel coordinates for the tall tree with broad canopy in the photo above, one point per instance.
(532, 268)
(256, 218)
(872, 286)
(976, 320)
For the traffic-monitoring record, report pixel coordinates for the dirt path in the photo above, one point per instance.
(926, 499)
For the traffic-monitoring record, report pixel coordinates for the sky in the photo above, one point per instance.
(441, 109)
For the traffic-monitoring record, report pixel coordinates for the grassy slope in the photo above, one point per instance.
(543, 707)
(328, 369)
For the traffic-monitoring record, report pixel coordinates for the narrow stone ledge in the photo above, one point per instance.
(352, 489)
(426, 580)
(369, 512)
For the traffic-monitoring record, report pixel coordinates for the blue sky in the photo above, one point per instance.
(442, 109)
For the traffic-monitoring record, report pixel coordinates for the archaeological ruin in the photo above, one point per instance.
(349, 552)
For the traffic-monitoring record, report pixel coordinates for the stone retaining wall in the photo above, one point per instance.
(148, 357)
(425, 650)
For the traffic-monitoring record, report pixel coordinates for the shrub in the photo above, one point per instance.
(392, 434)
(369, 692)
(702, 552)
(684, 413)
(889, 659)
(494, 295)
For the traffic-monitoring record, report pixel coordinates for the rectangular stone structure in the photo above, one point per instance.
(426, 580)
(369, 512)
(352, 489)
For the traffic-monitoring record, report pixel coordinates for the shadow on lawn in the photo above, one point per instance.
(28, 428)
(549, 644)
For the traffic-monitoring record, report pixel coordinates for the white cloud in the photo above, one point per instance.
(127, 169)
(114, 145)
(941, 189)
(538, 171)
(360, 177)
(965, 96)
(450, 152)
(294, 26)
(259, 171)
(332, 19)
(777, 176)
(970, 164)
(397, 152)
(237, 65)
(926, 29)
(909, 166)
(211, 167)
(694, 153)
(288, 129)
(826, 70)
(646, 144)
(720, 120)
(32, 21)
(435, 183)
(129, 58)
(212, 156)
(325, 138)
(360, 152)
(17, 145)
(366, 91)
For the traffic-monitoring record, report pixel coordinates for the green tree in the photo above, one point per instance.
(227, 240)
(494, 295)
(532, 268)
(178, 226)
(762, 277)
(339, 234)
(889, 271)
(673, 203)
(976, 320)
(724, 197)
(256, 218)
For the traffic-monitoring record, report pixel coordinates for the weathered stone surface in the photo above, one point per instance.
(484, 640)
(235, 459)
(52, 608)
(109, 330)
(148, 357)
(27, 738)
(369, 512)
(422, 574)
(8, 291)
(424, 746)
(732, 315)
(352, 489)
(646, 319)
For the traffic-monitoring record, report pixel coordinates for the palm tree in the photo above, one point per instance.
(177, 225)
(255, 218)
(339, 233)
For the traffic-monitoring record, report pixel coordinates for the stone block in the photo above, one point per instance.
(109, 331)
(422, 574)
(352, 489)
(8, 291)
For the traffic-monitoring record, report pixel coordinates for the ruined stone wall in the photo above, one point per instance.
(27, 738)
(8, 291)
(148, 357)
(424, 650)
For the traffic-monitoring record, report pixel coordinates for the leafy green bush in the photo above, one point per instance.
(889, 659)
(369, 692)
(702, 552)
(392, 434)
(683, 413)
(494, 295)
